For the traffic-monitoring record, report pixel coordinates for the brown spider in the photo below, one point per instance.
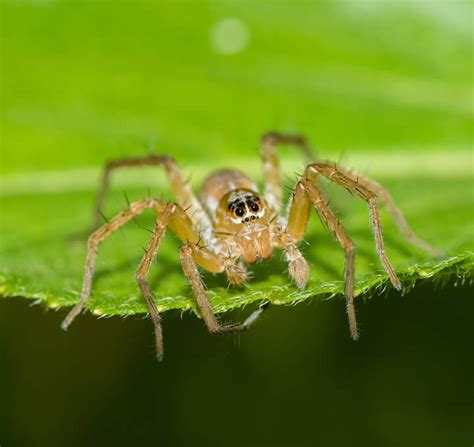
(233, 226)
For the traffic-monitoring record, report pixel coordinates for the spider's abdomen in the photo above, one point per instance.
(220, 183)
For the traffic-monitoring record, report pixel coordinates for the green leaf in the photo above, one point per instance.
(379, 98)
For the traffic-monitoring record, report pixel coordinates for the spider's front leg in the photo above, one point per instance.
(306, 194)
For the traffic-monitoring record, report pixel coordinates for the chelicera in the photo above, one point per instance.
(233, 225)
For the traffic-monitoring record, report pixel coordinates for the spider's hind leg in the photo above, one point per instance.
(369, 196)
(393, 209)
(271, 164)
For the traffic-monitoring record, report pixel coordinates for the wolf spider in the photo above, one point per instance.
(233, 225)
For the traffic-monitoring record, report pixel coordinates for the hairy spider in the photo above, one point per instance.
(233, 225)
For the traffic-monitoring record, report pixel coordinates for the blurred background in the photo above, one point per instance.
(384, 86)
(296, 379)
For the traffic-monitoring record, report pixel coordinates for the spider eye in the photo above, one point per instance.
(239, 212)
(255, 208)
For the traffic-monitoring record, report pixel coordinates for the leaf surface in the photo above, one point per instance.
(379, 98)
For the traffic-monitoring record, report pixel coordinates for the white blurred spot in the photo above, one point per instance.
(230, 36)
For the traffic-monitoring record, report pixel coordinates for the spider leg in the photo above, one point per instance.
(394, 211)
(95, 239)
(171, 215)
(144, 268)
(305, 194)
(365, 193)
(271, 166)
(174, 217)
(191, 256)
(299, 207)
(182, 190)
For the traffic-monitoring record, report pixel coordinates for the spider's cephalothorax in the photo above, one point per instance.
(233, 225)
(240, 217)
(245, 218)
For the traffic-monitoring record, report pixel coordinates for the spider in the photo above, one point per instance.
(234, 225)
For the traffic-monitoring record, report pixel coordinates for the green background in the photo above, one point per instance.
(383, 87)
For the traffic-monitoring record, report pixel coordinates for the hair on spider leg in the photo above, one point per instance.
(287, 179)
(299, 174)
(323, 222)
(245, 283)
(142, 227)
(106, 219)
(193, 214)
(153, 259)
(250, 274)
(357, 177)
(223, 233)
(187, 208)
(305, 242)
(135, 219)
(126, 198)
(198, 243)
(272, 219)
(342, 154)
(201, 243)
